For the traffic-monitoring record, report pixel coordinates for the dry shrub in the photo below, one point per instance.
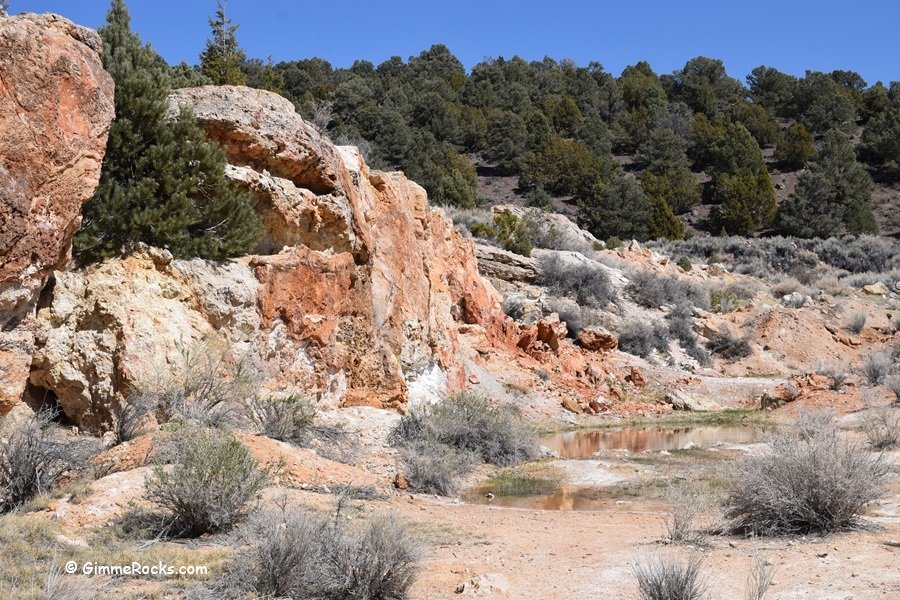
(687, 506)
(289, 552)
(881, 427)
(857, 322)
(667, 578)
(210, 487)
(810, 480)
(35, 455)
(760, 579)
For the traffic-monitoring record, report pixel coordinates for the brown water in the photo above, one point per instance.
(574, 448)
(585, 443)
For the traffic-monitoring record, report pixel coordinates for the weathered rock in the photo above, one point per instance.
(680, 400)
(876, 289)
(56, 105)
(125, 323)
(501, 264)
(359, 286)
(551, 331)
(596, 339)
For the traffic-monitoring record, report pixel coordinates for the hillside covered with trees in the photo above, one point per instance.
(640, 155)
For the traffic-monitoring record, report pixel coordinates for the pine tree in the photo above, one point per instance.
(162, 182)
(221, 60)
(833, 196)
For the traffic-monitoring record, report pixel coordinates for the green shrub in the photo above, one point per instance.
(440, 441)
(641, 338)
(652, 291)
(211, 485)
(684, 263)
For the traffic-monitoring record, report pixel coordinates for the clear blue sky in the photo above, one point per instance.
(792, 35)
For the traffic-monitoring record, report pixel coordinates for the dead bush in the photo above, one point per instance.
(687, 506)
(586, 282)
(857, 322)
(729, 345)
(760, 579)
(209, 488)
(839, 373)
(294, 553)
(881, 427)
(892, 383)
(667, 578)
(810, 423)
(804, 484)
(130, 417)
(208, 388)
(642, 338)
(652, 291)
(34, 455)
(878, 365)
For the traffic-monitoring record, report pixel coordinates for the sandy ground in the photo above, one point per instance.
(548, 555)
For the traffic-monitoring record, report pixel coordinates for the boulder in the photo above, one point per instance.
(876, 289)
(596, 339)
(56, 105)
(680, 400)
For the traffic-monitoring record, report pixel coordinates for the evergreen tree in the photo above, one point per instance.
(222, 59)
(833, 196)
(162, 182)
(746, 202)
(741, 183)
(881, 140)
(795, 148)
(677, 187)
(618, 207)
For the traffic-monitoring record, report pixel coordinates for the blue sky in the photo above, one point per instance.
(792, 35)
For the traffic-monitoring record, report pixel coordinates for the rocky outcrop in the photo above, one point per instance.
(56, 105)
(359, 286)
(504, 265)
(557, 231)
(596, 339)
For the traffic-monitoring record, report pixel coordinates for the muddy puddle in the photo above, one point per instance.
(585, 443)
(590, 459)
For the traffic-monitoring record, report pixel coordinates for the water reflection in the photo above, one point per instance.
(585, 443)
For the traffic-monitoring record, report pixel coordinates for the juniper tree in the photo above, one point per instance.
(795, 148)
(221, 60)
(833, 196)
(162, 182)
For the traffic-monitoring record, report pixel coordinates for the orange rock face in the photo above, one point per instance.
(56, 105)
(361, 285)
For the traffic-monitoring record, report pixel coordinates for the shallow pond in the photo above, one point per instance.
(592, 483)
(584, 443)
